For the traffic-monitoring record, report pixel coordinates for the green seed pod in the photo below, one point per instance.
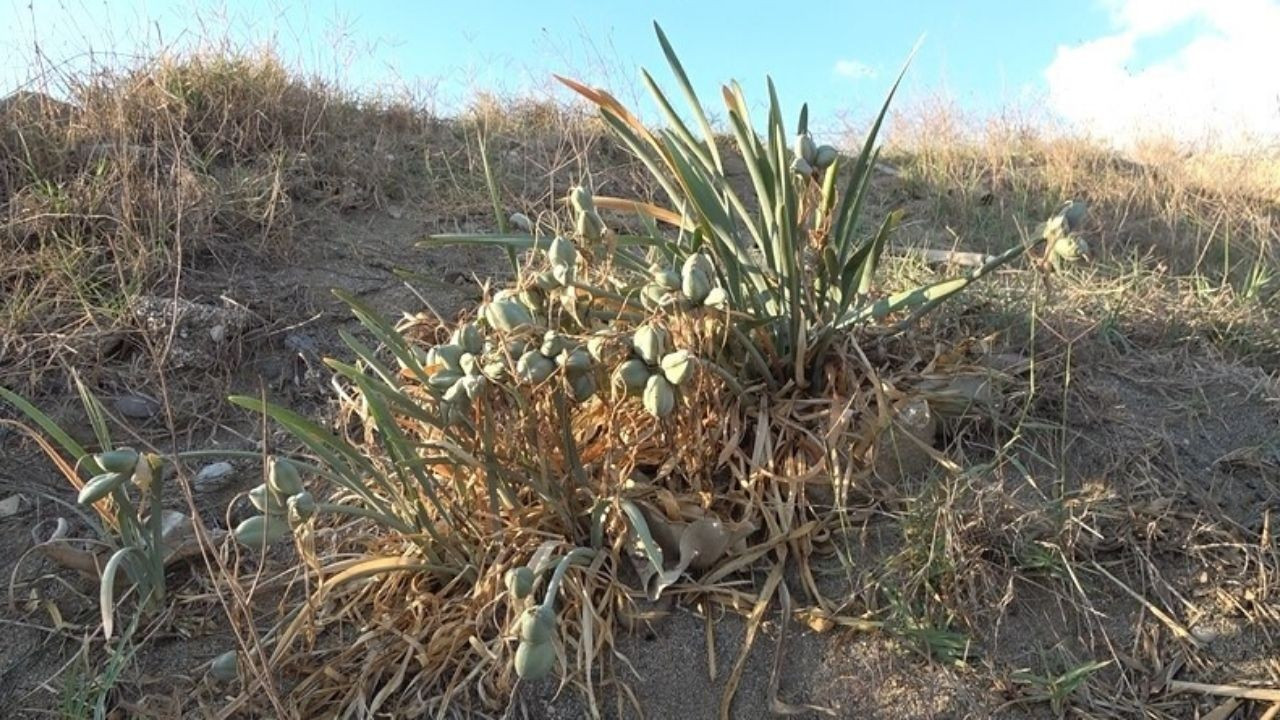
(534, 367)
(1073, 212)
(659, 396)
(519, 581)
(520, 221)
(632, 376)
(283, 477)
(302, 506)
(1071, 248)
(450, 356)
(444, 379)
(608, 348)
(553, 343)
(473, 385)
(507, 315)
(653, 296)
(576, 360)
(457, 396)
(695, 285)
(144, 471)
(580, 199)
(120, 460)
(590, 226)
(470, 364)
(534, 299)
(665, 276)
(564, 260)
(100, 486)
(650, 343)
(495, 370)
(562, 252)
(537, 623)
(583, 386)
(261, 530)
(534, 661)
(700, 262)
(564, 274)
(824, 156)
(800, 166)
(805, 148)
(678, 366)
(718, 299)
(267, 500)
(225, 667)
(469, 338)
(546, 281)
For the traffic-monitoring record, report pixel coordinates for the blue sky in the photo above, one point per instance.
(1096, 64)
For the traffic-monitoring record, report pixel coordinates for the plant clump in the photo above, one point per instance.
(677, 400)
(686, 400)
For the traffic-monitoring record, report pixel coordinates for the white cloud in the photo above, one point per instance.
(855, 69)
(1220, 83)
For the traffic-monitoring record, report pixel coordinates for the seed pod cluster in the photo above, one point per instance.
(810, 158)
(119, 466)
(282, 501)
(651, 372)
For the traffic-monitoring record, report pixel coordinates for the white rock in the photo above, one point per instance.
(214, 477)
(10, 506)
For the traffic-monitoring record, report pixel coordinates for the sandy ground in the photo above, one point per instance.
(1204, 429)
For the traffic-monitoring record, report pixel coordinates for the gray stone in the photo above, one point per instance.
(136, 407)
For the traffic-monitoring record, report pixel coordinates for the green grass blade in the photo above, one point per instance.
(494, 198)
(94, 411)
(370, 358)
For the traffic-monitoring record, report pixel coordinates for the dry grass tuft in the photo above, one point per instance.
(106, 195)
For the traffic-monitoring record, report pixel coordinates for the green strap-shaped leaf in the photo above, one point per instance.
(867, 268)
(649, 546)
(107, 588)
(402, 455)
(60, 436)
(385, 333)
(690, 95)
(846, 219)
(370, 358)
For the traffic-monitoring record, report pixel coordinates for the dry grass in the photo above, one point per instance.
(144, 171)
(1208, 213)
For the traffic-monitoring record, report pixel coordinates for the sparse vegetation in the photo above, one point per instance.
(693, 373)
